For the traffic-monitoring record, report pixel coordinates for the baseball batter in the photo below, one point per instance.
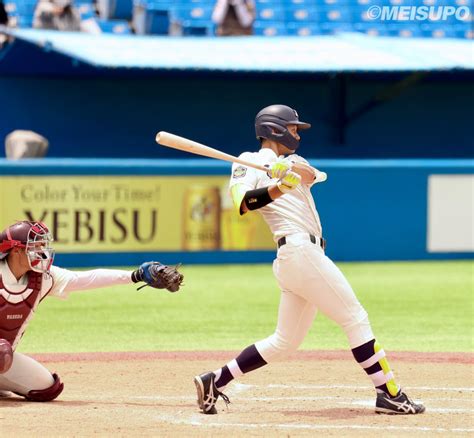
(27, 276)
(308, 279)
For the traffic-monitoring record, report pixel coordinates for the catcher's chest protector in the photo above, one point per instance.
(16, 308)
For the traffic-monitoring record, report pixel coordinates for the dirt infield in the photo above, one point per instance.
(325, 393)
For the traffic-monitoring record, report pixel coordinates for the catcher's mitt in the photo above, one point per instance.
(159, 276)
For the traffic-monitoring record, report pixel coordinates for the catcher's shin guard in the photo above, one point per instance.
(48, 394)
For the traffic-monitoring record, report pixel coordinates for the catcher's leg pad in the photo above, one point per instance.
(6, 356)
(48, 394)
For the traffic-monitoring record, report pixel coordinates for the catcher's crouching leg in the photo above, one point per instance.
(48, 394)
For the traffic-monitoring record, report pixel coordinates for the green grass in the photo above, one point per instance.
(419, 306)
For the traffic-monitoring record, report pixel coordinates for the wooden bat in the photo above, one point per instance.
(186, 145)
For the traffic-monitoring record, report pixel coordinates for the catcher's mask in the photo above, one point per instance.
(272, 123)
(35, 238)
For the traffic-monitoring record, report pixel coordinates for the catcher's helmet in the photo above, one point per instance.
(271, 123)
(35, 238)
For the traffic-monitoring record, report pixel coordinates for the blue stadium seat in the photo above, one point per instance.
(371, 2)
(25, 21)
(270, 14)
(334, 28)
(304, 14)
(373, 29)
(26, 8)
(405, 31)
(119, 27)
(464, 31)
(156, 21)
(121, 9)
(270, 3)
(269, 28)
(192, 12)
(303, 29)
(197, 28)
(304, 3)
(337, 14)
(85, 9)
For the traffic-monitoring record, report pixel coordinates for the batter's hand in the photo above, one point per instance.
(279, 168)
(289, 182)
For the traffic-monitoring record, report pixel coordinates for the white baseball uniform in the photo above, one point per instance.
(308, 279)
(18, 302)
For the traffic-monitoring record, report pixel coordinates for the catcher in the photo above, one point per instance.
(27, 275)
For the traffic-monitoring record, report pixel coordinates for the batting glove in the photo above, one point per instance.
(289, 182)
(279, 168)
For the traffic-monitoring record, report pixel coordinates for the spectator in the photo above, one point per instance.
(3, 15)
(57, 15)
(234, 17)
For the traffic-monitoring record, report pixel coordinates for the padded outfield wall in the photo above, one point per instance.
(121, 212)
(119, 117)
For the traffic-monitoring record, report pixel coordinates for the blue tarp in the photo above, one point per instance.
(345, 52)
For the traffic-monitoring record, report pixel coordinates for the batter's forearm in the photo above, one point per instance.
(247, 200)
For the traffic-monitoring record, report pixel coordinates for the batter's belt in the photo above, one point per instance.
(302, 237)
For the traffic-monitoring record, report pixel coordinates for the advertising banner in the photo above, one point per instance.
(133, 213)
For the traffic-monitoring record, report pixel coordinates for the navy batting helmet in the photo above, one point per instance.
(272, 123)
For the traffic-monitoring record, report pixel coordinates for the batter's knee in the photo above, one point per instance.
(276, 347)
(48, 394)
(359, 330)
(6, 356)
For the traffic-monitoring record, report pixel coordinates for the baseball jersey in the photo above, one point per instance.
(20, 298)
(293, 212)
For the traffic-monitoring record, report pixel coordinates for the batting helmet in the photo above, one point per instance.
(272, 123)
(35, 238)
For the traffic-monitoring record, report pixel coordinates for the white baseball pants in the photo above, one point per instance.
(25, 375)
(310, 281)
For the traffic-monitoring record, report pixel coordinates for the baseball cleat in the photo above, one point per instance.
(399, 405)
(207, 393)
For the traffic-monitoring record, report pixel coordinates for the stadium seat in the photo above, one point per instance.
(120, 27)
(25, 8)
(404, 31)
(25, 21)
(337, 14)
(197, 28)
(270, 3)
(121, 9)
(191, 12)
(304, 14)
(334, 28)
(151, 20)
(373, 29)
(303, 29)
(270, 14)
(86, 10)
(268, 28)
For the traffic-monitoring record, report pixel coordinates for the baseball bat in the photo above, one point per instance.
(184, 144)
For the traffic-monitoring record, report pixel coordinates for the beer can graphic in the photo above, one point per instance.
(201, 222)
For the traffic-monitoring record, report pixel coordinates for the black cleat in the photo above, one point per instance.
(399, 405)
(207, 393)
